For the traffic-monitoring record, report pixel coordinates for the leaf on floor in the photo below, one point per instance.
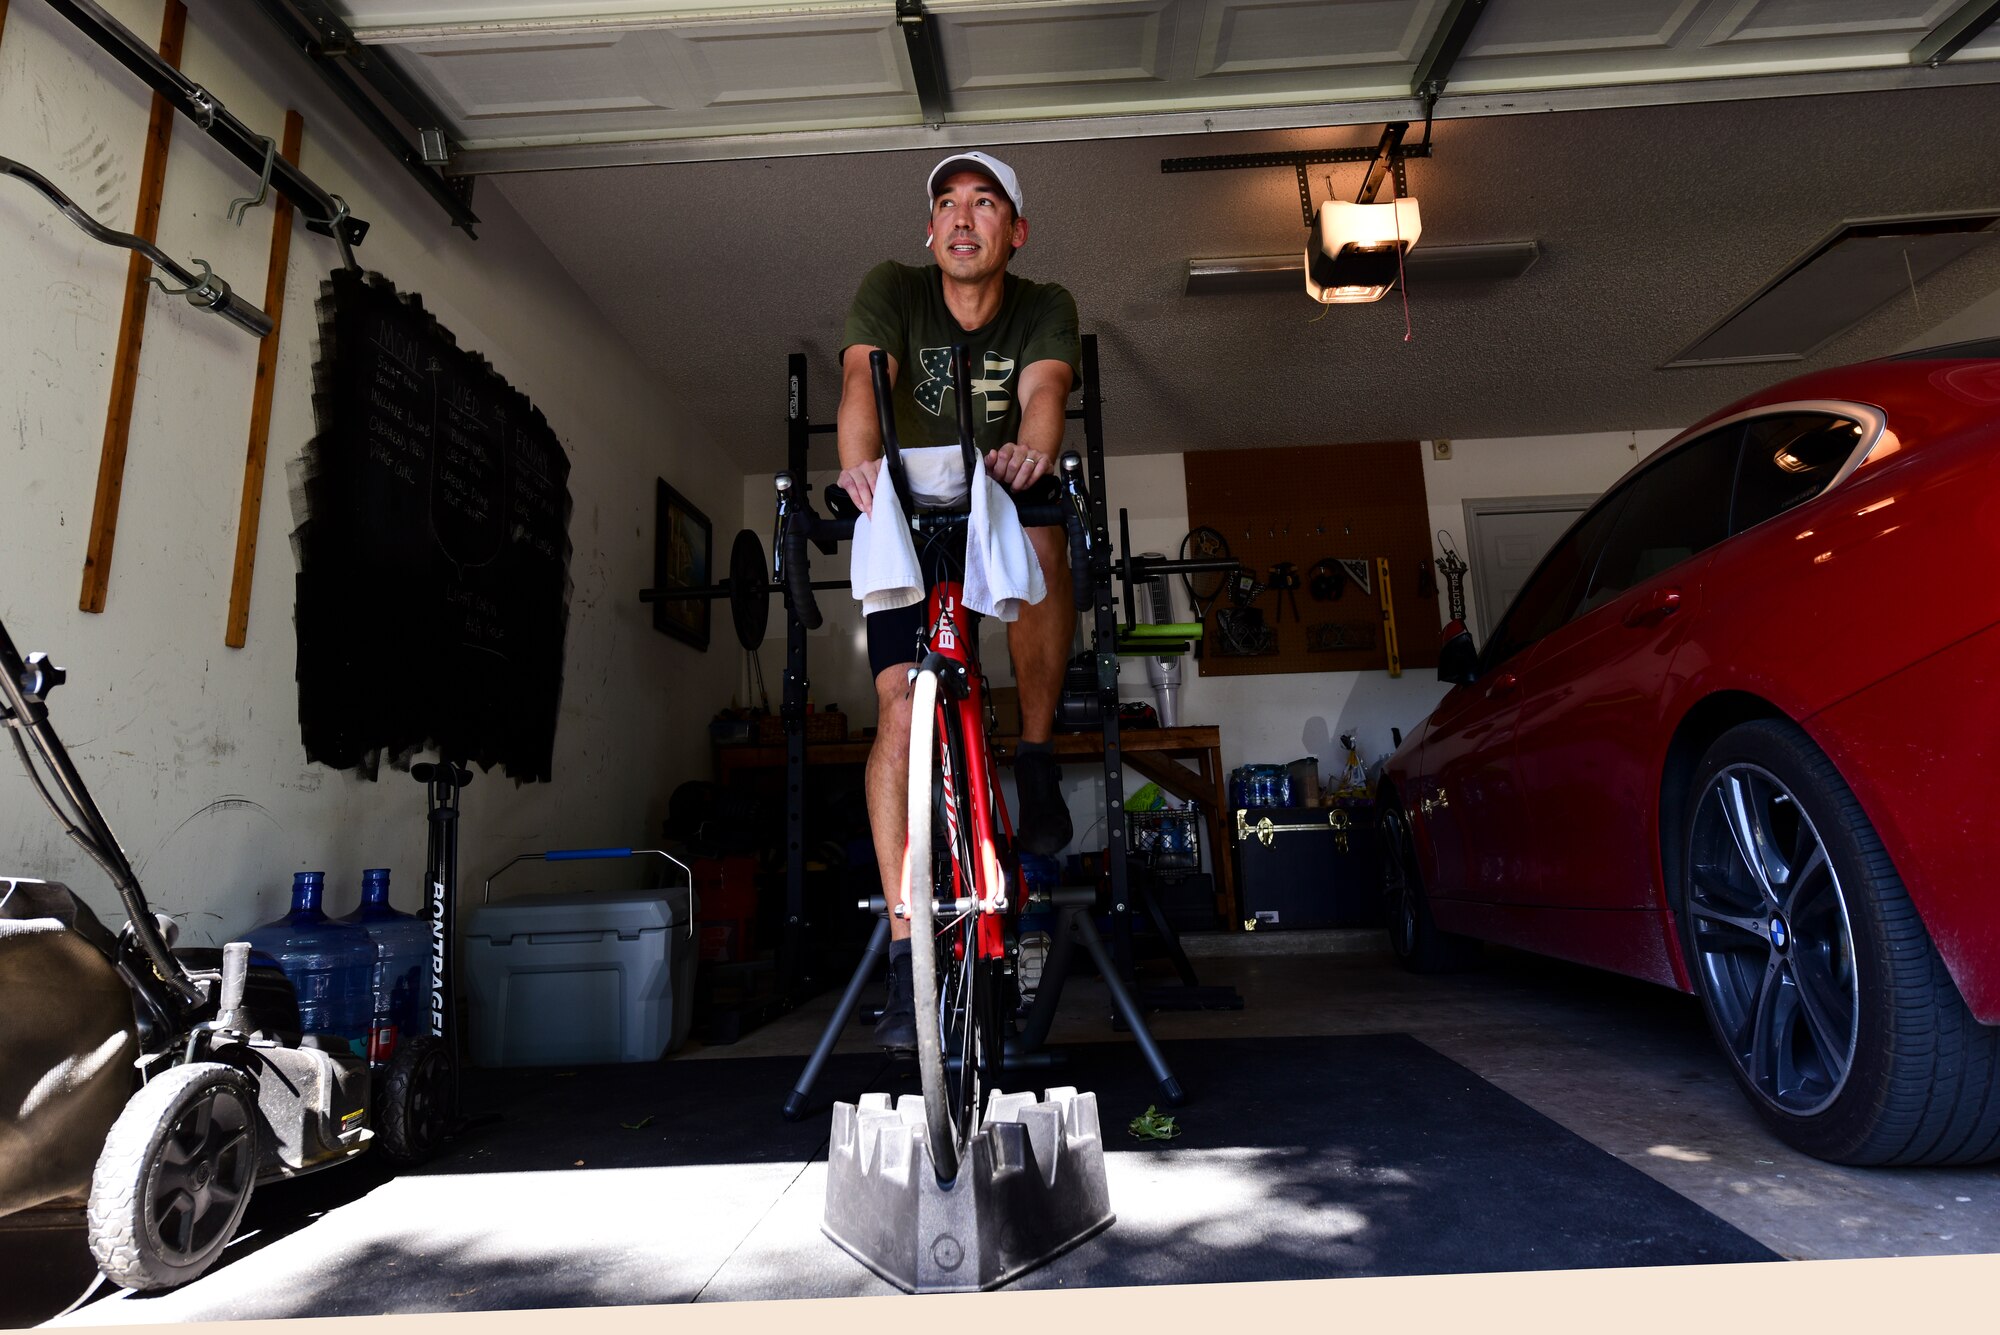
(1150, 1125)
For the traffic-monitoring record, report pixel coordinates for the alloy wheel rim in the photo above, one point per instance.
(1773, 944)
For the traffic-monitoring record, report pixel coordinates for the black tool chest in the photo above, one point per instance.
(1307, 867)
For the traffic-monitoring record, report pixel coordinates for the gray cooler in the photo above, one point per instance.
(579, 979)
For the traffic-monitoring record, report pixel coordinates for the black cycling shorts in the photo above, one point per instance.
(894, 635)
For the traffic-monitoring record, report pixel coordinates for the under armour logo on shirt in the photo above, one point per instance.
(990, 384)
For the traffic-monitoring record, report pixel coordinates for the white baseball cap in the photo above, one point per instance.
(986, 165)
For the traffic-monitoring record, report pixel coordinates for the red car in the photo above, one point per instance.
(1739, 735)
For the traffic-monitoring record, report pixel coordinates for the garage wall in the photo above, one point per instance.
(192, 748)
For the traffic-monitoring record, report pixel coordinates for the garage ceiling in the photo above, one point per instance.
(717, 180)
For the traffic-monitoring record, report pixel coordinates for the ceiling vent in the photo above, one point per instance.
(1850, 274)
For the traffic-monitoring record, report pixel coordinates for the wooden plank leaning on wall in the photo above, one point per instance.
(260, 406)
(131, 329)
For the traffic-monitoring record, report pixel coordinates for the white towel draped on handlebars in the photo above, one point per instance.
(1001, 571)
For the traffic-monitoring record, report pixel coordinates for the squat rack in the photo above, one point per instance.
(800, 428)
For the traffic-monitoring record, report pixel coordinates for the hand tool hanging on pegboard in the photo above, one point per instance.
(1285, 583)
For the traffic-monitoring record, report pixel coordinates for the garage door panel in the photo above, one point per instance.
(1088, 44)
(554, 77)
(688, 80)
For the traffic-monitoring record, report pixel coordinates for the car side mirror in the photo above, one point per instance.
(1458, 660)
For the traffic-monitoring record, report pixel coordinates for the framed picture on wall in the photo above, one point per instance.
(683, 551)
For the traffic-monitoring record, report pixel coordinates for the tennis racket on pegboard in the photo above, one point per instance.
(1204, 586)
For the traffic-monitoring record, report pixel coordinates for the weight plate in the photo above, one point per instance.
(749, 589)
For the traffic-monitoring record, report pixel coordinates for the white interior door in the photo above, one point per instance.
(1506, 537)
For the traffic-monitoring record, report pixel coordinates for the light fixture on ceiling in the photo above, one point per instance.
(1354, 252)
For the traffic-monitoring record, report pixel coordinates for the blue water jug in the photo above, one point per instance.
(401, 978)
(1040, 873)
(328, 963)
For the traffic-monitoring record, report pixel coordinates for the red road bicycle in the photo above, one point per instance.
(960, 883)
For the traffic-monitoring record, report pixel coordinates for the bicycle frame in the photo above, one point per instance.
(963, 694)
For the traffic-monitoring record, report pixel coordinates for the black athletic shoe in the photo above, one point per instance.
(897, 1029)
(1045, 826)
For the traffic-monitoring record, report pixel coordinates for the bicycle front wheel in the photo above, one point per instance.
(919, 892)
(958, 1038)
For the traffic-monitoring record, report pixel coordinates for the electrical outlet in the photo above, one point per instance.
(1440, 449)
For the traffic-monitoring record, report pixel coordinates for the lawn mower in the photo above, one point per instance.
(161, 1086)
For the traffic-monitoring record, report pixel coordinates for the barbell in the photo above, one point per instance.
(748, 589)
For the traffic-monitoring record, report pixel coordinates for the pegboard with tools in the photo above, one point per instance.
(1313, 527)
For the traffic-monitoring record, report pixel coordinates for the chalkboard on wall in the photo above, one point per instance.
(433, 586)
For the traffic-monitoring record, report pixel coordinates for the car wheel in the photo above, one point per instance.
(1817, 975)
(1419, 945)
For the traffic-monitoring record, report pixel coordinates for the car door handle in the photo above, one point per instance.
(1503, 685)
(1655, 607)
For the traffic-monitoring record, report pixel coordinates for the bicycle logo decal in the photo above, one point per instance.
(950, 796)
(947, 633)
(989, 385)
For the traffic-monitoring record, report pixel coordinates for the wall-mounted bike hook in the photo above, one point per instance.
(239, 208)
(340, 233)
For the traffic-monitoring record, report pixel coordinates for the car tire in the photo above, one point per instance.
(1818, 978)
(1414, 936)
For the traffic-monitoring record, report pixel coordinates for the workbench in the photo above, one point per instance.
(1163, 755)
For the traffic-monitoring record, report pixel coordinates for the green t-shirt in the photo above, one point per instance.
(901, 310)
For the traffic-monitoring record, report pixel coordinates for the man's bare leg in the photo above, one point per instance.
(1040, 639)
(1039, 642)
(888, 782)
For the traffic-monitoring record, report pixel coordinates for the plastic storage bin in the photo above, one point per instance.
(580, 979)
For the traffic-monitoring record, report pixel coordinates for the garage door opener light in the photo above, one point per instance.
(1354, 252)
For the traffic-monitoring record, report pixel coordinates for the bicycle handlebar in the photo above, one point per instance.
(799, 525)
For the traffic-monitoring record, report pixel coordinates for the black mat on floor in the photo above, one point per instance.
(648, 1115)
(1440, 1171)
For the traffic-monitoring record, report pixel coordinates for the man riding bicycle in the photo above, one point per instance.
(1026, 354)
